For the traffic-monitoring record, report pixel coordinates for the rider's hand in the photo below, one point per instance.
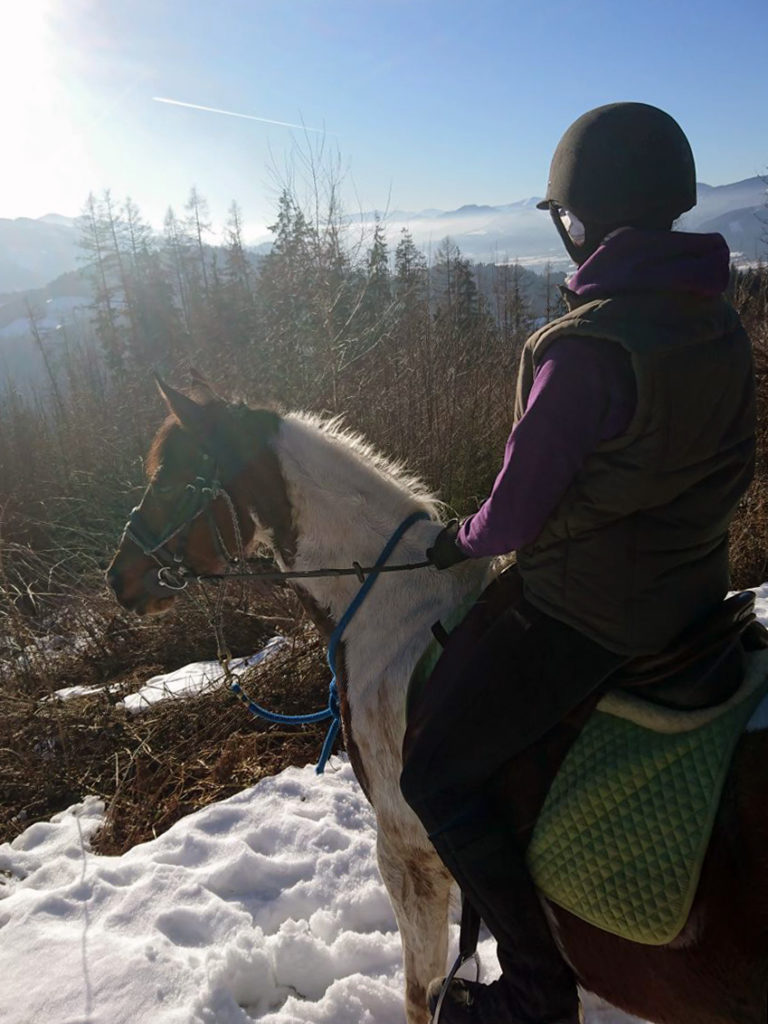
(444, 552)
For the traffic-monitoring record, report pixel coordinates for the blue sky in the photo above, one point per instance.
(428, 104)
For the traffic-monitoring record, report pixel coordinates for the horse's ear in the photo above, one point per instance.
(202, 388)
(189, 413)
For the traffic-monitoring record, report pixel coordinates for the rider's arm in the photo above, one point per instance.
(583, 393)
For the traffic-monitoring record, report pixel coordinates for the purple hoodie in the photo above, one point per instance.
(584, 389)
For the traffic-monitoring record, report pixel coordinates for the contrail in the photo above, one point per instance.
(234, 113)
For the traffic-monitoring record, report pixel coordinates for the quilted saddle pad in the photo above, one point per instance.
(621, 838)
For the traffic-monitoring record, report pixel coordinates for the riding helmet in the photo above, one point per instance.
(623, 164)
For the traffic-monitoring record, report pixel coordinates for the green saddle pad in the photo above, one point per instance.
(621, 838)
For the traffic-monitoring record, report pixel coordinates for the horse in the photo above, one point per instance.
(225, 477)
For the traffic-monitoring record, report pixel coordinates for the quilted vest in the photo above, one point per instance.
(637, 547)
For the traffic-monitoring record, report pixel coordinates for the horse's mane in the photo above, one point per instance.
(344, 440)
(154, 455)
(368, 457)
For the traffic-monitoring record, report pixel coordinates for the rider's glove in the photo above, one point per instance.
(445, 552)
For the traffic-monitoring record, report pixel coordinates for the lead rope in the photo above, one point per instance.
(333, 710)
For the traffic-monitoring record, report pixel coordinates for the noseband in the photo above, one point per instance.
(195, 499)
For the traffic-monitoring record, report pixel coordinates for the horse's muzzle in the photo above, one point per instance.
(143, 595)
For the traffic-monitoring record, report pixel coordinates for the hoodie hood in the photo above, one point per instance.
(635, 260)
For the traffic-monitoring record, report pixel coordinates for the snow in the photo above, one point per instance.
(68, 692)
(193, 679)
(264, 907)
(761, 603)
(189, 681)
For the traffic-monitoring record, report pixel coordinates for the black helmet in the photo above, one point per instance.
(623, 164)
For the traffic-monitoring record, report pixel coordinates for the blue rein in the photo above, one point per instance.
(333, 711)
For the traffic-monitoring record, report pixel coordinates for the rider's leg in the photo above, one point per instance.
(476, 712)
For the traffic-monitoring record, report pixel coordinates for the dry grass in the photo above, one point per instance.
(179, 755)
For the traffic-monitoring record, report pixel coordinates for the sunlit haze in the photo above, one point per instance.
(428, 103)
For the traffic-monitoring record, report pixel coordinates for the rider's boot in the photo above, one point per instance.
(536, 986)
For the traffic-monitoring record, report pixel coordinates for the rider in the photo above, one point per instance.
(633, 442)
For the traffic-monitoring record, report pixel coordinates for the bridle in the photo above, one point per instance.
(195, 499)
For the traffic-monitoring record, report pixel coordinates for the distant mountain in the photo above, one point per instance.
(518, 231)
(34, 252)
(62, 302)
(738, 211)
(57, 218)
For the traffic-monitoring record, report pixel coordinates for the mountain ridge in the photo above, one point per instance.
(35, 251)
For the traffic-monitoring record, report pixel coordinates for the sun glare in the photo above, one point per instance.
(25, 69)
(37, 123)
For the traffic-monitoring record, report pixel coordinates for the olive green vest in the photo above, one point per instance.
(637, 547)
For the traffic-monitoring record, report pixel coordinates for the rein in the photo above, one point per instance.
(360, 571)
(196, 500)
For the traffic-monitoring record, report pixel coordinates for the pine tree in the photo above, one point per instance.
(197, 225)
(176, 261)
(96, 241)
(158, 327)
(378, 291)
(410, 271)
(286, 285)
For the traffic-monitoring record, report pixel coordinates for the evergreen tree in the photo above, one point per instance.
(513, 310)
(410, 271)
(378, 291)
(176, 261)
(158, 325)
(96, 239)
(286, 286)
(197, 225)
(458, 305)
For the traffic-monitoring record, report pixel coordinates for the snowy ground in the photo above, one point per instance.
(265, 907)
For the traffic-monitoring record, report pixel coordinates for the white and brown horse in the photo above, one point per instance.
(319, 497)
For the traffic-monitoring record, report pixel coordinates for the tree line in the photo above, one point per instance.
(419, 355)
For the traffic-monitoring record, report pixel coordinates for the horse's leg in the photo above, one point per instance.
(419, 888)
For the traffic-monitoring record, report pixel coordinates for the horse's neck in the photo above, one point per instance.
(345, 509)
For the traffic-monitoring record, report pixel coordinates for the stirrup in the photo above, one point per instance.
(461, 959)
(468, 935)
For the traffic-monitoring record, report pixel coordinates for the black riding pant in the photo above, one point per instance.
(498, 687)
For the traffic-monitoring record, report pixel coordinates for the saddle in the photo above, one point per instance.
(704, 666)
(701, 668)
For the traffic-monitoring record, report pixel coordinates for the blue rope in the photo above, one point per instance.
(333, 711)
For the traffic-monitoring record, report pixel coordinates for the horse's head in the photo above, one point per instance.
(212, 470)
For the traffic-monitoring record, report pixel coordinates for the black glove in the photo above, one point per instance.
(444, 552)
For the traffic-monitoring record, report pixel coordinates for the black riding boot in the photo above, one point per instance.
(537, 986)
